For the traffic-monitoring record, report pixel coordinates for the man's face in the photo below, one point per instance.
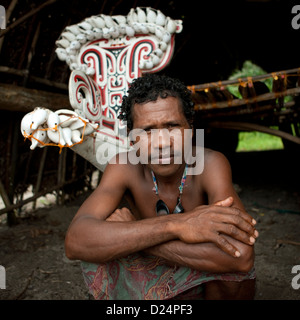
(161, 142)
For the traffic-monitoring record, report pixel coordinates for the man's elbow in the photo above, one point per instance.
(76, 240)
(80, 247)
(70, 250)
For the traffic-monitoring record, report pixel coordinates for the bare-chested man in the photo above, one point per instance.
(206, 250)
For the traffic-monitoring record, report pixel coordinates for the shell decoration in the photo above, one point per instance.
(63, 128)
(141, 20)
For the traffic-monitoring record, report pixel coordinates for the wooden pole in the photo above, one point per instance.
(26, 173)
(40, 172)
(31, 53)
(25, 73)
(246, 126)
(4, 195)
(115, 6)
(61, 175)
(59, 166)
(16, 98)
(74, 165)
(11, 166)
(26, 43)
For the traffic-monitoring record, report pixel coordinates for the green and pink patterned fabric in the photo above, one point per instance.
(145, 277)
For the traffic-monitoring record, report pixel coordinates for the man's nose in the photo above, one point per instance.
(160, 139)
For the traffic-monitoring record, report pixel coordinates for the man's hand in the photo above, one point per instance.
(123, 214)
(212, 223)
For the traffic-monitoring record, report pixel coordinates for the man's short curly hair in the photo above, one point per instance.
(149, 88)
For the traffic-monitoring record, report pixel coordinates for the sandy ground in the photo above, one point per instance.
(32, 252)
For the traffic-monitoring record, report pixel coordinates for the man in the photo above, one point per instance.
(203, 251)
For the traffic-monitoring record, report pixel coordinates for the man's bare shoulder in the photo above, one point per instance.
(122, 163)
(215, 160)
(216, 179)
(213, 155)
(119, 175)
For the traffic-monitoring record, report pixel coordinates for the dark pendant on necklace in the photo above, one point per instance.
(179, 207)
(162, 209)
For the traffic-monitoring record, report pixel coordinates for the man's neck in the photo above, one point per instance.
(171, 181)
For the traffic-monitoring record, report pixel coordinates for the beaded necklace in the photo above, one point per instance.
(161, 207)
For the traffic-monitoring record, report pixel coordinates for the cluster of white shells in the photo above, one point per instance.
(63, 127)
(145, 21)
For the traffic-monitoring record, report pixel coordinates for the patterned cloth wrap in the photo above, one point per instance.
(145, 277)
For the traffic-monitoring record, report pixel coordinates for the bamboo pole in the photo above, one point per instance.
(214, 85)
(250, 100)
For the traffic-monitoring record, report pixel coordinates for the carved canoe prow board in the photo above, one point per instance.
(105, 54)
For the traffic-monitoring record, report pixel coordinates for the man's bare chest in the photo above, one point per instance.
(143, 198)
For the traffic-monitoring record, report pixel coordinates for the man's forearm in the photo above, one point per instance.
(109, 240)
(204, 256)
(201, 232)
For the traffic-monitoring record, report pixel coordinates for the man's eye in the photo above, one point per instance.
(173, 125)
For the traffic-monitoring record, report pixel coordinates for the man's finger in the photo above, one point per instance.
(225, 203)
(236, 233)
(228, 203)
(121, 214)
(237, 212)
(227, 247)
(237, 221)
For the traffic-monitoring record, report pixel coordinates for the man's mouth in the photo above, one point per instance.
(163, 159)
